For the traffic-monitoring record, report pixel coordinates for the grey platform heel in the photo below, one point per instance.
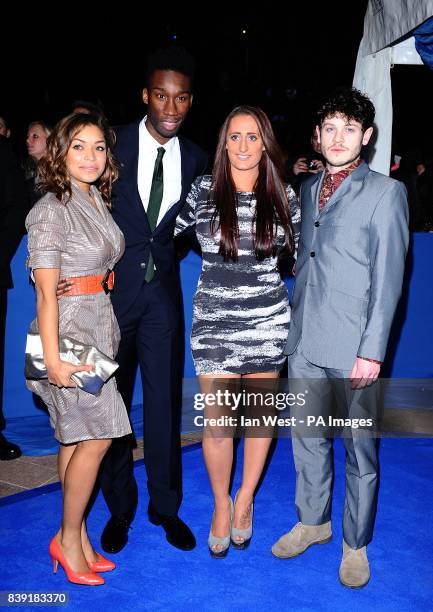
(223, 542)
(245, 534)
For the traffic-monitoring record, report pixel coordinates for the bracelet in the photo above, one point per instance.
(371, 360)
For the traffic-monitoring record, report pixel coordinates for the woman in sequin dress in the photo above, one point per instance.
(243, 217)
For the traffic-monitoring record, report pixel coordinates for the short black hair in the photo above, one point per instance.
(350, 103)
(173, 58)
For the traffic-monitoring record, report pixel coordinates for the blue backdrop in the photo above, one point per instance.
(410, 345)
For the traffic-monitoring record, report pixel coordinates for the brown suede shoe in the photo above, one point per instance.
(354, 569)
(300, 538)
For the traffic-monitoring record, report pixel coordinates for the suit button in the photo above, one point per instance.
(313, 254)
(316, 224)
(150, 239)
(142, 265)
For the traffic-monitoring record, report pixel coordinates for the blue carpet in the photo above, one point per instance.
(151, 575)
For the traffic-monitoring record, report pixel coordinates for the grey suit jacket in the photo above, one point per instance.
(350, 267)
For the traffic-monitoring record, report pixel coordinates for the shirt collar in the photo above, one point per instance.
(342, 174)
(150, 142)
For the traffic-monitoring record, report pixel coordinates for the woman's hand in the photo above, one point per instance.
(318, 167)
(60, 373)
(299, 166)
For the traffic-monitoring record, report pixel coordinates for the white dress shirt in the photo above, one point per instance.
(171, 163)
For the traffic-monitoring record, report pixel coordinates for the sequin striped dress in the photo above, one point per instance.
(241, 309)
(80, 241)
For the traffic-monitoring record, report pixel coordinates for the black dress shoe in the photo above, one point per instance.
(177, 533)
(115, 534)
(8, 450)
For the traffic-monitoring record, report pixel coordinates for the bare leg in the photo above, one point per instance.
(79, 468)
(255, 453)
(218, 456)
(64, 456)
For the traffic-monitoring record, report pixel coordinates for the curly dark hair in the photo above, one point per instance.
(272, 206)
(52, 172)
(174, 58)
(350, 103)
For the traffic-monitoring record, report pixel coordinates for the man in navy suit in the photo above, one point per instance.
(157, 169)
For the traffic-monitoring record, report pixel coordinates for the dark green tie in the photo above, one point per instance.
(154, 206)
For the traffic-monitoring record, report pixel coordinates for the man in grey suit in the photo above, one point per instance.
(350, 266)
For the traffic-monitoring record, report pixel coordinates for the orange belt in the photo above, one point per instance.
(87, 285)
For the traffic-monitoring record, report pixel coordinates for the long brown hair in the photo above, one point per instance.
(271, 198)
(53, 175)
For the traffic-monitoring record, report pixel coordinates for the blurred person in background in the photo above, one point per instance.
(36, 141)
(13, 209)
(86, 107)
(424, 193)
(306, 165)
(4, 127)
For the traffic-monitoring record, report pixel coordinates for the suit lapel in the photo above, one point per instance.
(130, 174)
(315, 192)
(340, 192)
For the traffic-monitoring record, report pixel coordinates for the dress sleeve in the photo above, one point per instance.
(186, 217)
(46, 230)
(295, 214)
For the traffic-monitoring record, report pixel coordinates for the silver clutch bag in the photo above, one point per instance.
(76, 353)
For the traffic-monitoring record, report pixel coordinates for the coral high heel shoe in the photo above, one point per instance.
(87, 578)
(101, 565)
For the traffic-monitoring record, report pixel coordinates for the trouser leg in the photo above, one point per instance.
(116, 476)
(3, 312)
(312, 451)
(159, 340)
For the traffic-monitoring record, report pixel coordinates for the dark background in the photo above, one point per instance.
(284, 62)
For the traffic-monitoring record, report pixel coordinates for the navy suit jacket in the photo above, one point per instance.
(130, 216)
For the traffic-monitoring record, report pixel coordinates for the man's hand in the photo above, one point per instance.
(364, 373)
(63, 287)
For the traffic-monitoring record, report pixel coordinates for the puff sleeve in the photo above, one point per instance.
(47, 234)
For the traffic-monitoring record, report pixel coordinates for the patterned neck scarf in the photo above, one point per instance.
(331, 182)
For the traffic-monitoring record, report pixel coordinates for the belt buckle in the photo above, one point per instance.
(104, 281)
